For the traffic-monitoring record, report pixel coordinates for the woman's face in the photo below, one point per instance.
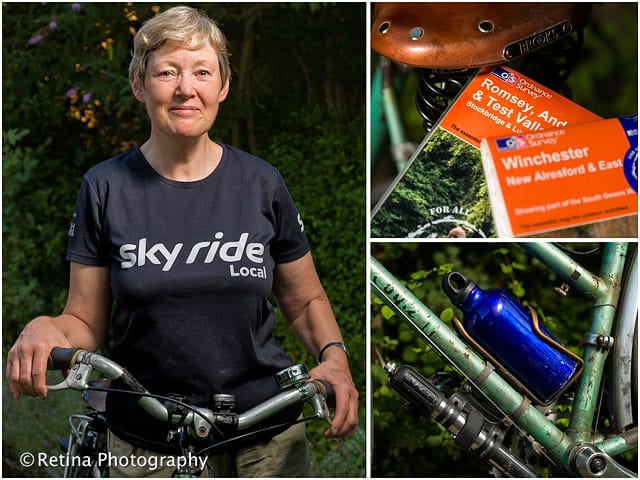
(182, 90)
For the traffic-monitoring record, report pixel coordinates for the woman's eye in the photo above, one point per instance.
(203, 73)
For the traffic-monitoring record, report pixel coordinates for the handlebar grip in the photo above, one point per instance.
(329, 392)
(61, 358)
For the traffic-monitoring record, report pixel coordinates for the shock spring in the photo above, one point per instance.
(551, 66)
(436, 90)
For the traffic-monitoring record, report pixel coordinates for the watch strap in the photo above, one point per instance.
(340, 345)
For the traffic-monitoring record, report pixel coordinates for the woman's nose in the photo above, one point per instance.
(185, 86)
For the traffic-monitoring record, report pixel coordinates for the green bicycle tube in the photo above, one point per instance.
(595, 355)
(378, 126)
(619, 444)
(385, 115)
(571, 271)
(392, 115)
(442, 338)
(604, 292)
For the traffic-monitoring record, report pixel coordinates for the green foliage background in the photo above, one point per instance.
(406, 445)
(297, 99)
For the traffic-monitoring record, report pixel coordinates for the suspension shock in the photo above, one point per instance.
(469, 426)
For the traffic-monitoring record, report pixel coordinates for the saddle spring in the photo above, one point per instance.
(436, 90)
(551, 66)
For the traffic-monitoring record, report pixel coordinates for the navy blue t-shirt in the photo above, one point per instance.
(191, 267)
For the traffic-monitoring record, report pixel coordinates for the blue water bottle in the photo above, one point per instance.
(503, 327)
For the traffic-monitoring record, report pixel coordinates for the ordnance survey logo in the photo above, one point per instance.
(505, 75)
(514, 142)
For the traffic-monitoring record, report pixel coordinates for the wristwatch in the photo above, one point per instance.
(340, 345)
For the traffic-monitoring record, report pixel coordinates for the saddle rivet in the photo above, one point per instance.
(485, 26)
(384, 28)
(416, 33)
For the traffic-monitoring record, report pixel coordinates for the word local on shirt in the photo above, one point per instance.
(136, 255)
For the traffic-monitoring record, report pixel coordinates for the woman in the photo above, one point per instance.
(189, 237)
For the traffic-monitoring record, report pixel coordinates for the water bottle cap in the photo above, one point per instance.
(457, 287)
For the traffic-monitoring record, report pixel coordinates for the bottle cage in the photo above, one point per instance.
(470, 35)
(535, 324)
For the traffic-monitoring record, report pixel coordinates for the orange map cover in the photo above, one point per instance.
(552, 179)
(443, 188)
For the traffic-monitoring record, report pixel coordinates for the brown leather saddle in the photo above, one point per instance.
(469, 35)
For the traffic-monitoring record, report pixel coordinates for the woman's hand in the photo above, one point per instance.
(334, 369)
(27, 359)
(82, 324)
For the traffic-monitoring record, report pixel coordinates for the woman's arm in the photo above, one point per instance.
(83, 324)
(305, 305)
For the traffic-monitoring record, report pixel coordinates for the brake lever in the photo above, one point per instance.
(78, 378)
(320, 407)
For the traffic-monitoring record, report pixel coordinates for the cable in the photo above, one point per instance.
(213, 425)
(577, 252)
(160, 397)
(251, 434)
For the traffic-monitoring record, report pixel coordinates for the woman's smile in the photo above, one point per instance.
(184, 110)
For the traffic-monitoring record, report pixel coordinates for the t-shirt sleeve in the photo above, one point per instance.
(290, 242)
(85, 239)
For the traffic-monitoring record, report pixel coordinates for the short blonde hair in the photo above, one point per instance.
(180, 26)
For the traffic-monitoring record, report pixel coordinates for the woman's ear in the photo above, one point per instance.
(138, 91)
(224, 91)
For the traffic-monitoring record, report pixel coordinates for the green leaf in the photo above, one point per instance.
(506, 269)
(445, 268)
(386, 312)
(517, 288)
(420, 274)
(405, 334)
(447, 315)
(409, 354)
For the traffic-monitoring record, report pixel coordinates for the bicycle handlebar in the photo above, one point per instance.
(61, 358)
(198, 420)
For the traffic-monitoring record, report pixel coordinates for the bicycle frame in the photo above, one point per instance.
(386, 117)
(566, 448)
